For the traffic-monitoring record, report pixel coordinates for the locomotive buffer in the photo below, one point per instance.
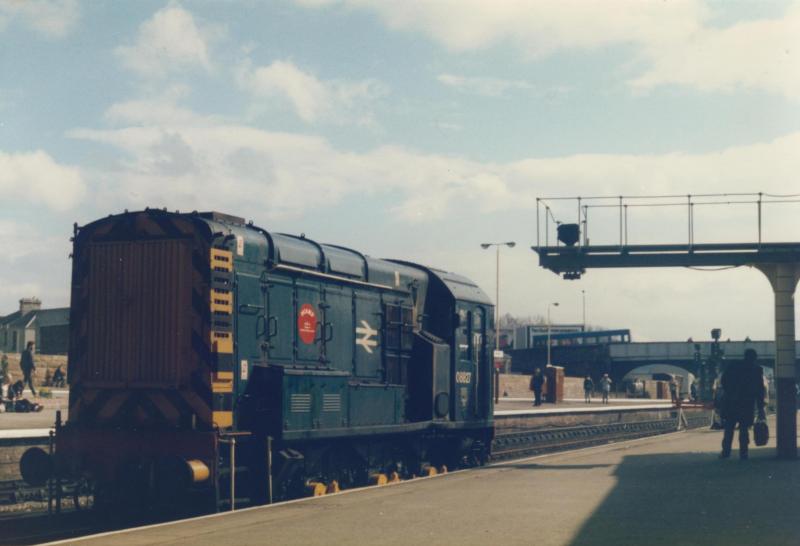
(780, 262)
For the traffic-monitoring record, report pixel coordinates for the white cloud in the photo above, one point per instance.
(752, 55)
(311, 98)
(497, 87)
(490, 87)
(156, 109)
(184, 162)
(28, 241)
(52, 18)
(672, 41)
(169, 41)
(36, 178)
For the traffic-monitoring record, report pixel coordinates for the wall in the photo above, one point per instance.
(516, 385)
(43, 363)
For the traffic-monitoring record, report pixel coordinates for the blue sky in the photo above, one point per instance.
(414, 129)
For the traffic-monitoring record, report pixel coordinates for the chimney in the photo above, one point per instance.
(26, 305)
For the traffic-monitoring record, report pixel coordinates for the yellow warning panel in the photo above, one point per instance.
(221, 342)
(223, 419)
(222, 382)
(221, 260)
(221, 301)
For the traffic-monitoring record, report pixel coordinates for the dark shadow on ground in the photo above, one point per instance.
(534, 466)
(695, 498)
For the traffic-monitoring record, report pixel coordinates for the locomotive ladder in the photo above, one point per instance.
(228, 472)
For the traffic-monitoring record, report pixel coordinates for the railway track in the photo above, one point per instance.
(521, 443)
(35, 527)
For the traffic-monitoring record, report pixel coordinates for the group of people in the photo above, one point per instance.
(739, 398)
(538, 382)
(605, 388)
(14, 389)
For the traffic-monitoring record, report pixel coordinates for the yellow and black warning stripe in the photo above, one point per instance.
(221, 336)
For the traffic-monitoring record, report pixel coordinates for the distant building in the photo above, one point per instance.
(524, 335)
(48, 328)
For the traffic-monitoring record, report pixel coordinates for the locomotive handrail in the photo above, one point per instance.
(335, 277)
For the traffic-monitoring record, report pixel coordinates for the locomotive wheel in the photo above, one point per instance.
(343, 464)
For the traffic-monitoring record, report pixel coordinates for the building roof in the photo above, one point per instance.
(52, 317)
(39, 317)
(9, 318)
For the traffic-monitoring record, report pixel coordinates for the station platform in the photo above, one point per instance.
(668, 490)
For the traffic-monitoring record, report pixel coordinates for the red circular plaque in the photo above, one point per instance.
(307, 323)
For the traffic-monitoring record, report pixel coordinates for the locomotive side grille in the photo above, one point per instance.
(138, 327)
(332, 402)
(300, 403)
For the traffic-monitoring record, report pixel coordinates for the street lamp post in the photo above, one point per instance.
(583, 298)
(509, 244)
(549, 305)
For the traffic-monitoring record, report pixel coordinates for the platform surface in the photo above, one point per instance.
(669, 490)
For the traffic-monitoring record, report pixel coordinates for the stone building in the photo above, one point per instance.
(48, 328)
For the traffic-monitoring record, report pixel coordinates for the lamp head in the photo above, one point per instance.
(511, 244)
(485, 245)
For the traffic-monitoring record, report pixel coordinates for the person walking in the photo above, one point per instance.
(743, 384)
(28, 366)
(588, 388)
(605, 387)
(537, 383)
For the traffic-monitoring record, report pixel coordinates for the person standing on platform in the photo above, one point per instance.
(673, 389)
(743, 384)
(605, 387)
(28, 367)
(537, 383)
(588, 388)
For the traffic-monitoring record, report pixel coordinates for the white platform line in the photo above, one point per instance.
(599, 408)
(595, 400)
(14, 434)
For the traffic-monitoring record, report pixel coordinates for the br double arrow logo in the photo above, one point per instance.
(367, 333)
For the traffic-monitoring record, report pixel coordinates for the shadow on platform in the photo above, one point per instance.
(695, 498)
(534, 466)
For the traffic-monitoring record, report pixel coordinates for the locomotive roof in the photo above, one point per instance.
(461, 287)
(304, 253)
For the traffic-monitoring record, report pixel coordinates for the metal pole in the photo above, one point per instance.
(233, 473)
(546, 226)
(548, 333)
(759, 217)
(269, 469)
(50, 480)
(55, 465)
(626, 225)
(585, 225)
(538, 243)
(497, 303)
(583, 296)
(497, 327)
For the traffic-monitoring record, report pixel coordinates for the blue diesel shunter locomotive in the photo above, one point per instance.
(203, 346)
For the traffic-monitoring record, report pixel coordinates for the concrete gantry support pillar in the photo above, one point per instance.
(784, 277)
